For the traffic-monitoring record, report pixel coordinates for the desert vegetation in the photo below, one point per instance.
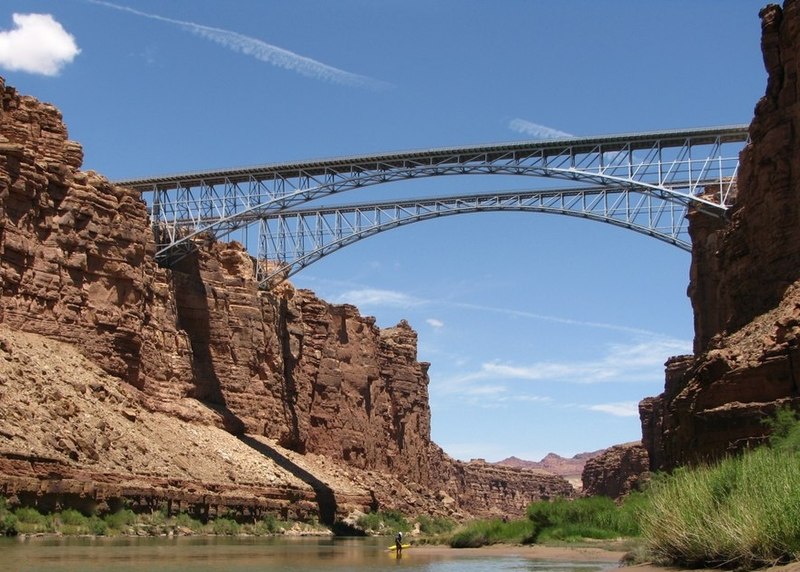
(71, 522)
(560, 520)
(742, 512)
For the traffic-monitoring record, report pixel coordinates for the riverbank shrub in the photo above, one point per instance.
(383, 522)
(70, 522)
(8, 522)
(30, 521)
(435, 525)
(494, 531)
(225, 526)
(589, 517)
(743, 512)
(120, 520)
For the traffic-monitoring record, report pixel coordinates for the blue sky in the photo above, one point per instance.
(543, 331)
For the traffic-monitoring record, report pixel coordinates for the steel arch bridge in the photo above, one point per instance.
(646, 182)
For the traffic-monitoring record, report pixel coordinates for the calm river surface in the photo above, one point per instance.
(219, 554)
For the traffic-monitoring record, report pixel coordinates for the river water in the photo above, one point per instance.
(238, 554)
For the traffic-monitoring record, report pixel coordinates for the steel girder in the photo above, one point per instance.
(675, 166)
(293, 239)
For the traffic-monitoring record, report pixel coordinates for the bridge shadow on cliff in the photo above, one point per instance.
(194, 317)
(325, 496)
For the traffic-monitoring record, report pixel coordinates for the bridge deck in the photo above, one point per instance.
(549, 147)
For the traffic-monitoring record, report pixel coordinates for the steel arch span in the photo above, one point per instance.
(690, 168)
(293, 239)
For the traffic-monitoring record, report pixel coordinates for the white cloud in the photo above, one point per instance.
(261, 50)
(377, 297)
(535, 130)
(638, 362)
(484, 390)
(620, 409)
(37, 44)
(434, 323)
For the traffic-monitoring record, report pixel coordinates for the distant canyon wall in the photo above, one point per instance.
(744, 284)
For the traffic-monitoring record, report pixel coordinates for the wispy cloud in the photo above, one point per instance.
(535, 130)
(547, 318)
(37, 44)
(434, 323)
(619, 409)
(374, 297)
(261, 50)
(371, 297)
(638, 362)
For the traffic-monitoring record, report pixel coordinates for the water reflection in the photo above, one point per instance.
(218, 554)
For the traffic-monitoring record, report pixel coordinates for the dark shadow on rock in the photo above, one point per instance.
(292, 440)
(340, 528)
(326, 499)
(194, 318)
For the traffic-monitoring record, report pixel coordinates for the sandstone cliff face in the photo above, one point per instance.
(744, 284)
(75, 262)
(77, 266)
(616, 471)
(202, 345)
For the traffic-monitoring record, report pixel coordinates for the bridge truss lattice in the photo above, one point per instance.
(645, 182)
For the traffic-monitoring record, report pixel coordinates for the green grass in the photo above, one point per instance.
(591, 517)
(383, 522)
(225, 526)
(742, 512)
(434, 526)
(8, 520)
(495, 531)
(70, 522)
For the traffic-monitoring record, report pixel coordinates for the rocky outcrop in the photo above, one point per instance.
(280, 373)
(744, 284)
(616, 471)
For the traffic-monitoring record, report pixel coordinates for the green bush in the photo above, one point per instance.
(8, 522)
(269, 524)
(96, 526)
(121, 519)
(494, 531)
(590, 517)
(436, 525)
(743, 512)
(387, 521)
(27, 515)
(225, 526)
(72, 517)
(29, 520)
(784, 430)
(184, 520)
(8, 525)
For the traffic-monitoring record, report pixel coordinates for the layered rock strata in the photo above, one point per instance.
(744, 284)
(281, 374)
(616, 471)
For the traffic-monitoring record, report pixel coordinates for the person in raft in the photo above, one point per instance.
(398, 542)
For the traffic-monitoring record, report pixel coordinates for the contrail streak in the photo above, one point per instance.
(535, 130)
(261, 50)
